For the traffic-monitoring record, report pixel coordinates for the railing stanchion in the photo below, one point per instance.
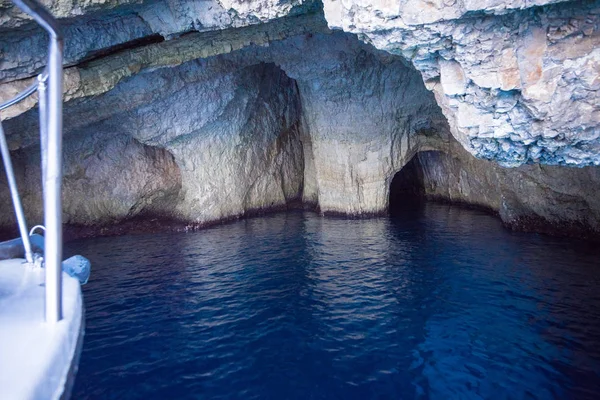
(52, 185)
(43, 118)
(53, 174)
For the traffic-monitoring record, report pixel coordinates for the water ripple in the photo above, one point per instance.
(444, 305)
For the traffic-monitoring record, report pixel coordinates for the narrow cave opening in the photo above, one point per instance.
(407, 189)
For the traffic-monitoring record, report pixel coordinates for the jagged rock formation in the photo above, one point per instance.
(518, 80)
(126, 53)
(222, 109)
(518, 83)
(93, 29)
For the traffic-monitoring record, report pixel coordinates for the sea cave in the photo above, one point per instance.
(322, 198)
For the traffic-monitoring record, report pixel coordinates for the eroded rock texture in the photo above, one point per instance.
(332, 125)
(97, 28)
(221, 140)
(539, 198)
(518, 82)
(106, 180)
(366, 112)
(198, 110)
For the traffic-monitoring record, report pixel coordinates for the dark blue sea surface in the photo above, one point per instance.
(446, 304)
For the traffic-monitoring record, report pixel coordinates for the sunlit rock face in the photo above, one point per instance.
(366, 112)
(518, 82)
(266, 10)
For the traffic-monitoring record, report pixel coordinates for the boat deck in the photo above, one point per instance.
(35, 356)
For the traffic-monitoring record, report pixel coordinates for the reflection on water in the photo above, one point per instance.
(444, 304)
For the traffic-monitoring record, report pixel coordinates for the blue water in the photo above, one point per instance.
(445, 305)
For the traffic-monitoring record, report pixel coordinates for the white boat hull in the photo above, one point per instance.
(38, 360)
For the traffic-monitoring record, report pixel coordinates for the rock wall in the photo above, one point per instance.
(196, 143)
(551, 199)
(366, 111)
(199, 111)
(331, 125)
(518, 82)
(101, 71)
(93, 29)
(105, 181)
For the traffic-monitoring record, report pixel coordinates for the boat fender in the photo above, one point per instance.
(78, 267)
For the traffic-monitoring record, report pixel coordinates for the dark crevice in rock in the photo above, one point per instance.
(119, 48)
(407, 190)
(519, 196)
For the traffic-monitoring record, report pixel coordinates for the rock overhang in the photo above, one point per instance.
(518, 81)
(364, 111)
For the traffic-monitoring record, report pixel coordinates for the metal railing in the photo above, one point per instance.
(21, 96)
(49, 86)
(14, 193)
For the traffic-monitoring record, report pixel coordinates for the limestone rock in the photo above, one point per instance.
(265, 10)
(552, 199)
(360, 115)
(105, 181)
(103, 74)
(12, 17)
(97, 28)
(210, 141)
(545, 58)
(259, 109)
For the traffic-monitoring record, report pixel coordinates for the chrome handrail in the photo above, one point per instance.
(39, 84)
(10, 175)
(21, 96)
(51, 129)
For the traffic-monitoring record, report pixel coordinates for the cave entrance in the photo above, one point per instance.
(407, 190)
